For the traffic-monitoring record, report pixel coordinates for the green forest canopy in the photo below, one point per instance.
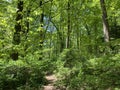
(64, 36)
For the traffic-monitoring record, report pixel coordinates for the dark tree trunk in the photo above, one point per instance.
(41, 32)
(90, 50)
(69, 27)
(18, 29)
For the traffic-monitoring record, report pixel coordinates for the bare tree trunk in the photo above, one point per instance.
(90, 50)
(41, 32)
(18, 29)
(60, 30)
(69, 27)
(105, 21)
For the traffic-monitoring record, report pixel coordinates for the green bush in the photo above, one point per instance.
(17, 74)
(69, 69)
(94, 74)
(102, 73)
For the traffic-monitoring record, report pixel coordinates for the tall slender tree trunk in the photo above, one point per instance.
(77, 34)
(105, 21)
(41, 31)
(60, 30)
(95, 39)
(18, 28)
(61, 34)
(89, 35)
(68, 27)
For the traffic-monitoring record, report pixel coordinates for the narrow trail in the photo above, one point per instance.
(51, 80)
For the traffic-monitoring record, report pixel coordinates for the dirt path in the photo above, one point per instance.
(51, 80)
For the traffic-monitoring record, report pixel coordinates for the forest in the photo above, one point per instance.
(59, 44)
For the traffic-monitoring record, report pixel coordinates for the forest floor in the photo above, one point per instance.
(51, 80)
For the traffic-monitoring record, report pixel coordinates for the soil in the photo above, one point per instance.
(51, 80)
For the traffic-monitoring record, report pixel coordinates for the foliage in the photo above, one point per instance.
(97, 74)
(16, 74)
(69, 68)
(40, 37)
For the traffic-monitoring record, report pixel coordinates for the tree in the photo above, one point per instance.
(41, 29)
(18, 28)
(105, 21)
(68, 25)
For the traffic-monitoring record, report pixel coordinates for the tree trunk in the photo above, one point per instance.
(18, 29)
(90, 50)
(68, 27)
(60, 31)
(41, 32)
(105, 21)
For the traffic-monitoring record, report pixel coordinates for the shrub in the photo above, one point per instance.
(93, 74)
(16, 74)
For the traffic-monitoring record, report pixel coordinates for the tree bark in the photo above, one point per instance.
(41, 32)
(68, 27)
(105, 21)
(18, 28)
